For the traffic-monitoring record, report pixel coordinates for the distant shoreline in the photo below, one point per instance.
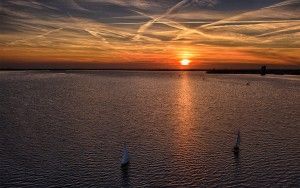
(208, 71)
(255, 71)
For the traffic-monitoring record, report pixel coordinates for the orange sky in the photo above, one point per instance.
(149, 34)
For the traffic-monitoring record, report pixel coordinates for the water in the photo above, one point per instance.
(68, 129)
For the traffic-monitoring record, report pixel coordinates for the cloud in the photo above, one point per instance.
(139, 4)
(284, 3)
(169, 11)
(35, 37)
(144, 30)
(248, 21)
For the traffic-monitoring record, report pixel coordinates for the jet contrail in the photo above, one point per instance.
(145, 26)
(225, 20)
(284, 3)
(38, 36)
(173, 24)
(293, 29)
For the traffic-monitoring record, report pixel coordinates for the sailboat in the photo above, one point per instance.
(125, 158)
(236, 148)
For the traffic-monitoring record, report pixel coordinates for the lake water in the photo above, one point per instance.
(69, 129)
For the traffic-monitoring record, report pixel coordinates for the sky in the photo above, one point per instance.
(149, 34)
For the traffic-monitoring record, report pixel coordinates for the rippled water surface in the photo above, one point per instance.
(68, 129)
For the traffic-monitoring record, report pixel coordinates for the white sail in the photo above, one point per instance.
(125, 157)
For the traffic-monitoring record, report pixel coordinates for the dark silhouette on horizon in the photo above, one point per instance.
(263, 70)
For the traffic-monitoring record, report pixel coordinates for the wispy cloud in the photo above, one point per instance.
(169, 11)
(151, 30)
(35, 37)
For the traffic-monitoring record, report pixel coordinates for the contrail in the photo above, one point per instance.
(288, 2)
(226, 20)
(101, 32)
(32, 38)
(293, 29)
(284, 3)
(166, 23)
(106, 43)
(145, 26)
(178, 5)
(96, 35)
(173, 24)
(91, 32)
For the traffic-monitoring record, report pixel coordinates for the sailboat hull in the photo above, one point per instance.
(236, 150)
(124, 164)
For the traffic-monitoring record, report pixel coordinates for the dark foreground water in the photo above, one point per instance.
(68, 129)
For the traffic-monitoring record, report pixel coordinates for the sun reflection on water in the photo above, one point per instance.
(184, 126)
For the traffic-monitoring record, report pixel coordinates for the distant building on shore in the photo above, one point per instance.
(263, 70)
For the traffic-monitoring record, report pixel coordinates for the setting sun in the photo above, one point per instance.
(185, 62)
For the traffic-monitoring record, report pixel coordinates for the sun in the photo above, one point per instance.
(185, 62)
